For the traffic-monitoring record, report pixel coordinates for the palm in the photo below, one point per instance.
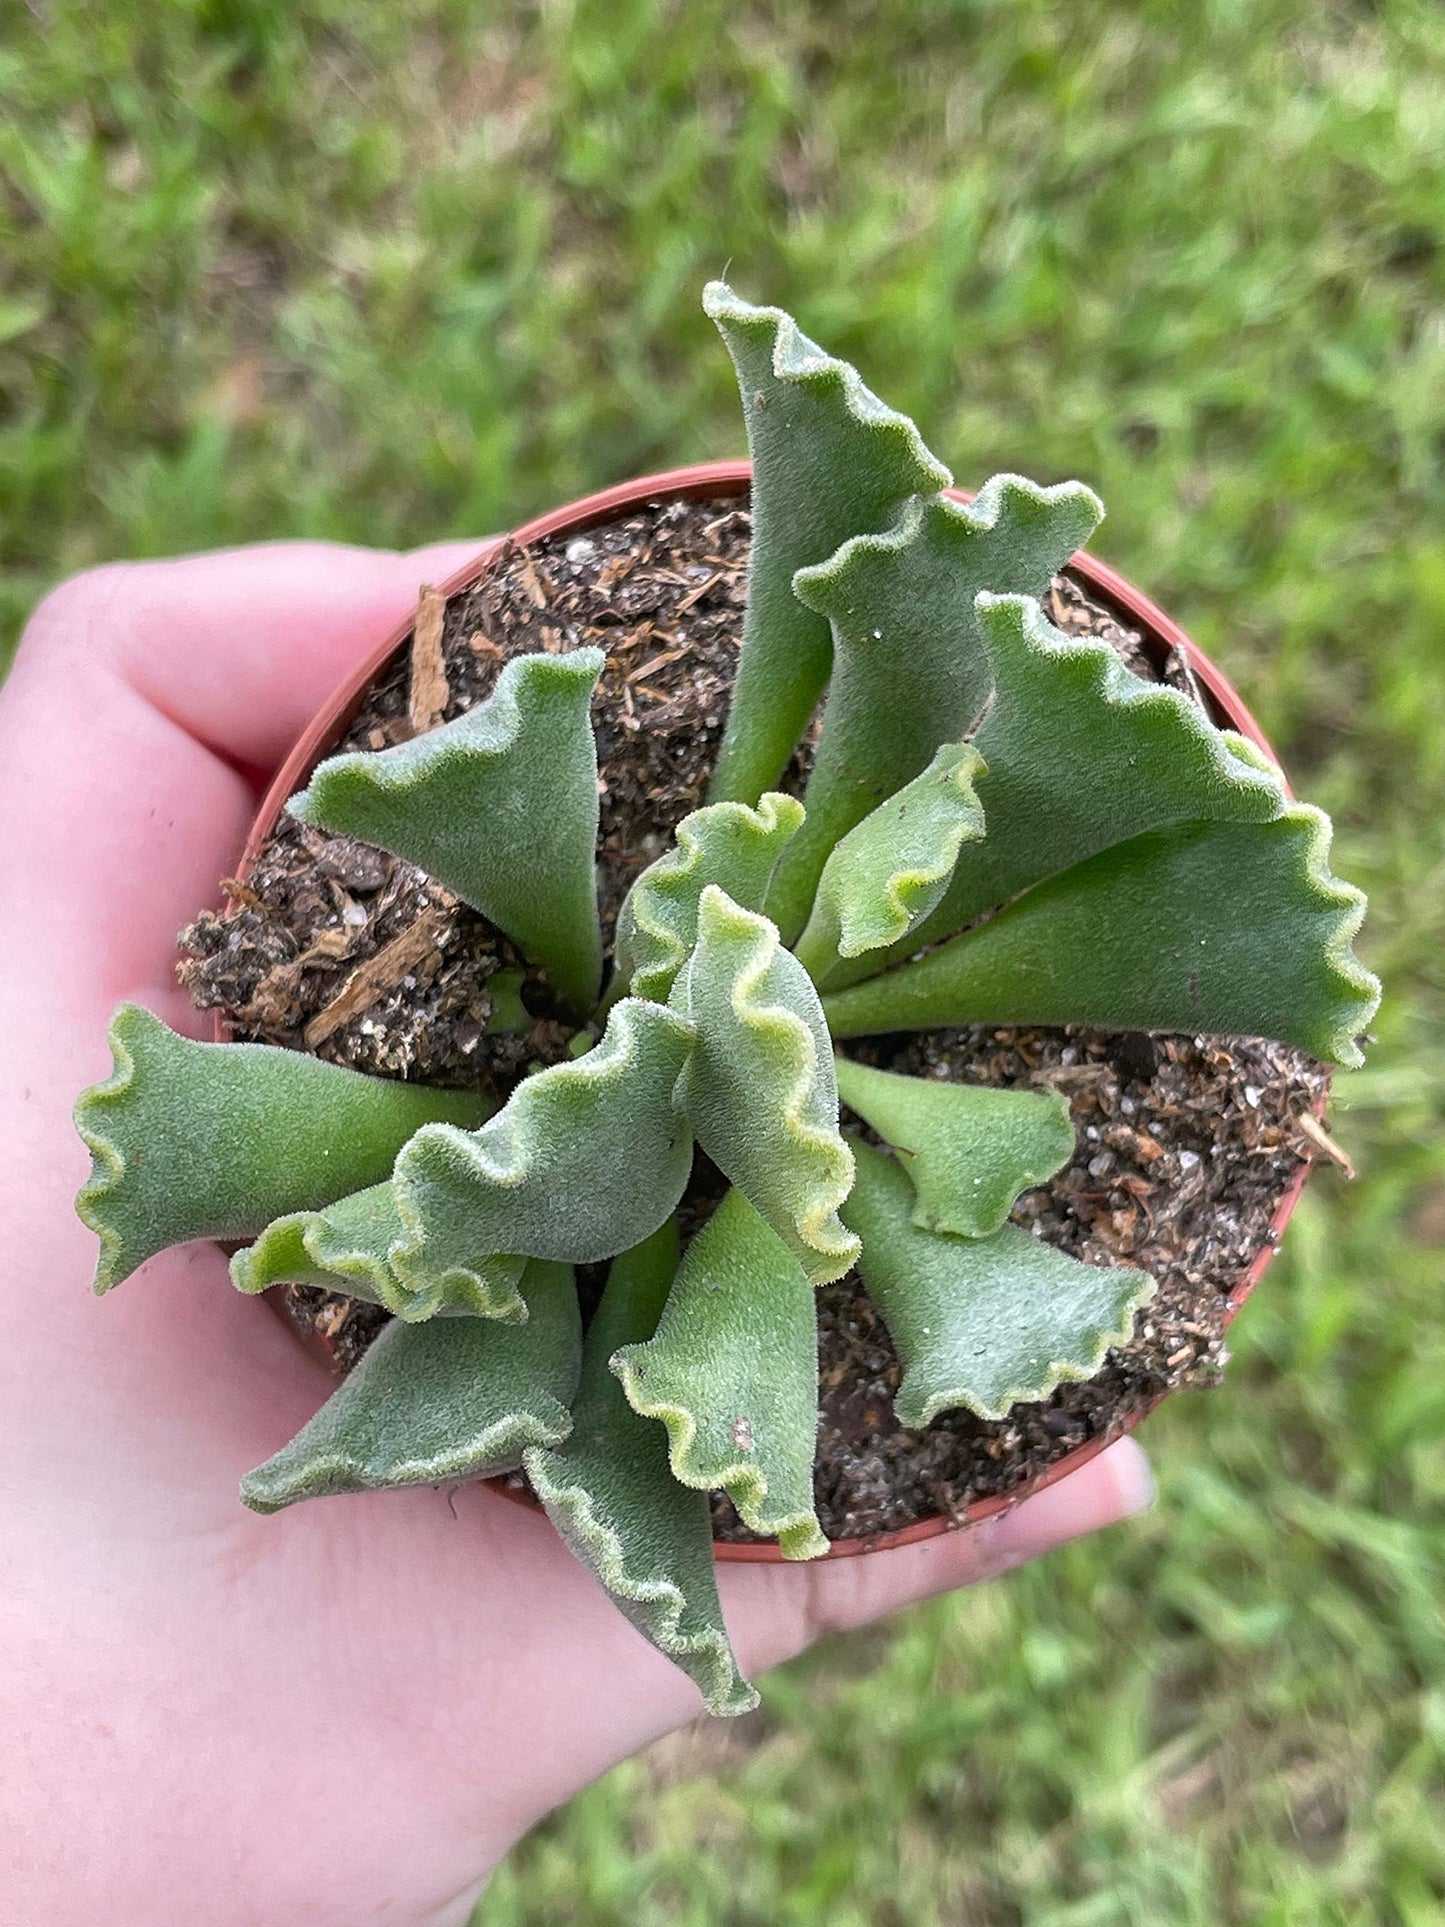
(201, 1689)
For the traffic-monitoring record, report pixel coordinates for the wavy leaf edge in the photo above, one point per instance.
(437, 1404)
(1229, 756)
(836, 928)
(798, 1534)
(501, 712)
(798, 358)
(401, 1286)
(900, 886)
(538, 884)
(798, 1051)
(921, 1412)
(1339, 952)
(725, 1693)
(373, 1275)
(501, 1447)
(107, 1169)
(915, 1409)
(202, 1089)
(821, 586)
(775, 816)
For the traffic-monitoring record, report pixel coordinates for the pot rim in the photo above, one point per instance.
(1162, 637)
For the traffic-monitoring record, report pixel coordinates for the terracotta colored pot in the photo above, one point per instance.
(710, 480)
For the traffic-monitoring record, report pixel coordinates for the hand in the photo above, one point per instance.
(351, 1710)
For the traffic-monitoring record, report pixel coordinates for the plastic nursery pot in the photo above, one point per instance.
(712, 480)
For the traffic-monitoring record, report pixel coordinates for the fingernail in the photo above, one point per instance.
(1133, 1477)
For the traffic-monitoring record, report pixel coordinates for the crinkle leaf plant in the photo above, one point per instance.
(1002, 824)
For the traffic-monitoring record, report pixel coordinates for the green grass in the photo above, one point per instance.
(280, 267)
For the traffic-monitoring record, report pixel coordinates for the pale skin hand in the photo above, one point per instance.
(190, 1695)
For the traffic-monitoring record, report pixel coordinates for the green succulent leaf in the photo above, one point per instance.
(611, 1494)
(584, 1160)
(459, 1399)
(968, 1148)
(982, 1323)
(1078, 752)
(892, 869)
(829, 461)
(195, 1140)
(510, 1016)
(728, 844)
(909, 667)
(732, 1372)
(349, 1246)
(500, 805)
(1234, 928)
(759, 1088)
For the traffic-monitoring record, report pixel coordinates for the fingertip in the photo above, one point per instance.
(1114, 1486)
(1129, 1463)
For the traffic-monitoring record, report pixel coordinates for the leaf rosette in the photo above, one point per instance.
(1000, 823)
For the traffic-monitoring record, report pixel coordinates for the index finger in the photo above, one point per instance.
(146, 702)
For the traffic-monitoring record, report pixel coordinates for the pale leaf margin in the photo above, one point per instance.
(729, 844)
(1134, 756)
(514, 1383)
(735, 1239)
(759, 1087)
(1015, 967)
(854, 472)
(889, 872)
(678, 1611)
(910, 671)
(530, 1183)
(896, 1249)
(206, 1143)
(527, 756)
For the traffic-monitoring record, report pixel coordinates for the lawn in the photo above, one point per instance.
(285, 267)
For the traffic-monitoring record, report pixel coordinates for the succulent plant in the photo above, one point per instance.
(1001, 824)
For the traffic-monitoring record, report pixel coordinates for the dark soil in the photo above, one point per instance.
(1185, 1145)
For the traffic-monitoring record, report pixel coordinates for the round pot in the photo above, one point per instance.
(1162, 638)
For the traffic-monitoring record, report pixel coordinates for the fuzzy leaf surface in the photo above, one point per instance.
(969, 1149)
(584, 1160)
(909, 667)
(500, 805)
(1081, 753)
(458, 1399)
(759, 1087)
(348, 1246)
(732, 1372)
(1235, 928)
(829, 461)
(891, 870)
(728, 844)
(610, 1492)
(981, 1323)
(193, 1140)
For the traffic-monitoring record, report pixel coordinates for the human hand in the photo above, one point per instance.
(353, 1709)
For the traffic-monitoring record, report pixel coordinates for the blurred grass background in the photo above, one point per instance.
(285, 267)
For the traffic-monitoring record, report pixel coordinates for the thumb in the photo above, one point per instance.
(774, 1611)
